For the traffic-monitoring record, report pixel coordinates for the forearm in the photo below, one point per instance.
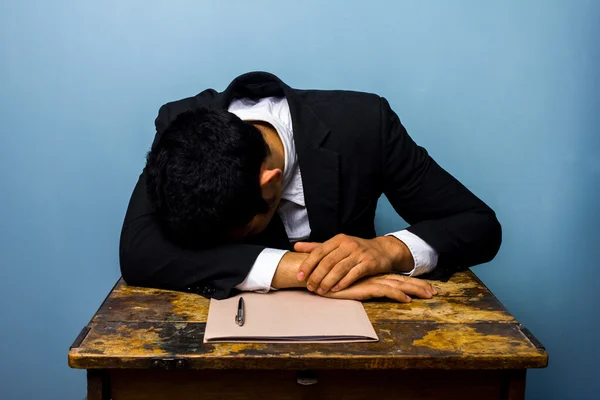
(287, 271)
(462, 240)
(441, 211)
(149, 258)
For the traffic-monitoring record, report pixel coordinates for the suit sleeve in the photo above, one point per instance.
(461, 228)
(148, 258)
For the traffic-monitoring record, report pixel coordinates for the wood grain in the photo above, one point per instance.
(401, 346)
(461, 300)
(464, 327)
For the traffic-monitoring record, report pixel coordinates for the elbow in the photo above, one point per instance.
(492, 236)
(129, 269)
(142, 262)
(131, 262)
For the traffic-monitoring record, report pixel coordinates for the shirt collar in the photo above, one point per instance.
(275, 111)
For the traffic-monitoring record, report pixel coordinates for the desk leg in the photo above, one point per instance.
(98, 387)
(514, 385)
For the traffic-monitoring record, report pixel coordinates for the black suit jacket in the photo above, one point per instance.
(351, 148)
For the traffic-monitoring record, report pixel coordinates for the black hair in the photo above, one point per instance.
(202, 176)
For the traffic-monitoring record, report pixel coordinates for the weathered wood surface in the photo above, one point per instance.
(463, 327)
(464, 299)
(401, 346)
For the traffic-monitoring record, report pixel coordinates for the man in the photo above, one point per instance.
(266, 187)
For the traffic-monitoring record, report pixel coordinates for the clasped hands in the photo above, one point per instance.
(348, 267)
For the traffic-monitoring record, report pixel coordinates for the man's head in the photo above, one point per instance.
(211, 177)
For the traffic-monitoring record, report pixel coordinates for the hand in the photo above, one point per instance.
(342, 260)
(395, 287)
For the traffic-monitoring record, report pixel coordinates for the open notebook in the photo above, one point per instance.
(288, 316)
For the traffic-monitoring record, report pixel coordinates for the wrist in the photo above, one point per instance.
(398, 252)
(287, 270)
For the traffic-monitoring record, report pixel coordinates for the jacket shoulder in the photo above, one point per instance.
(169, 111)
(345, 108)
(343, 97)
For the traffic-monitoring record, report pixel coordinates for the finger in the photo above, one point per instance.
(415, 281)
(339, 271)
(357, 272)
(433, 288)
(429, 286)
(369, 290)
(306, 247)
(412, 289)
(314, 258)
(391, 291)
(325, 266)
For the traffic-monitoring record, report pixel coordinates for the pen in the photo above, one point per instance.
(239, 317)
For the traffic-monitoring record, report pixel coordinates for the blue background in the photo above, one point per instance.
(505, 95)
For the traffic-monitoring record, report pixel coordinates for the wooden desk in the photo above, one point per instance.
(462, 344)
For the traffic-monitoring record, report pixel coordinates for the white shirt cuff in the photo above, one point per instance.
(262, 272)
(424, 255)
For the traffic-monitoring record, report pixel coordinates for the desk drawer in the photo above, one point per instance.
(317, 385)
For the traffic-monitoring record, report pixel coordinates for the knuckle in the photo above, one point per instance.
(381, 287)
(327, 283)
(305, 266)
(350, 278)
(325, 265)
(340, 269)
(360, 271)
(356, 270)
(310, 260)
(314, 280)
(344, 283)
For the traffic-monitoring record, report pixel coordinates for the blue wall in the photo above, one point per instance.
(505, 95)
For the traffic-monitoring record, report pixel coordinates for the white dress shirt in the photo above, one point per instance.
(292, 209)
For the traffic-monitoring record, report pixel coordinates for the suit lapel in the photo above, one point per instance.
(320, 171)
(319, 166)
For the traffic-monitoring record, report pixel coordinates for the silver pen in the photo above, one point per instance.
(239, 317)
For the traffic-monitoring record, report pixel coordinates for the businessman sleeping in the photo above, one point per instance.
(264, 187)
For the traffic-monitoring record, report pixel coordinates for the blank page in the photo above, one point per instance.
(288, 316)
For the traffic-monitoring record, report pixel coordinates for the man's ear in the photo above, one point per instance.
(270, 178)
(270, 184)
